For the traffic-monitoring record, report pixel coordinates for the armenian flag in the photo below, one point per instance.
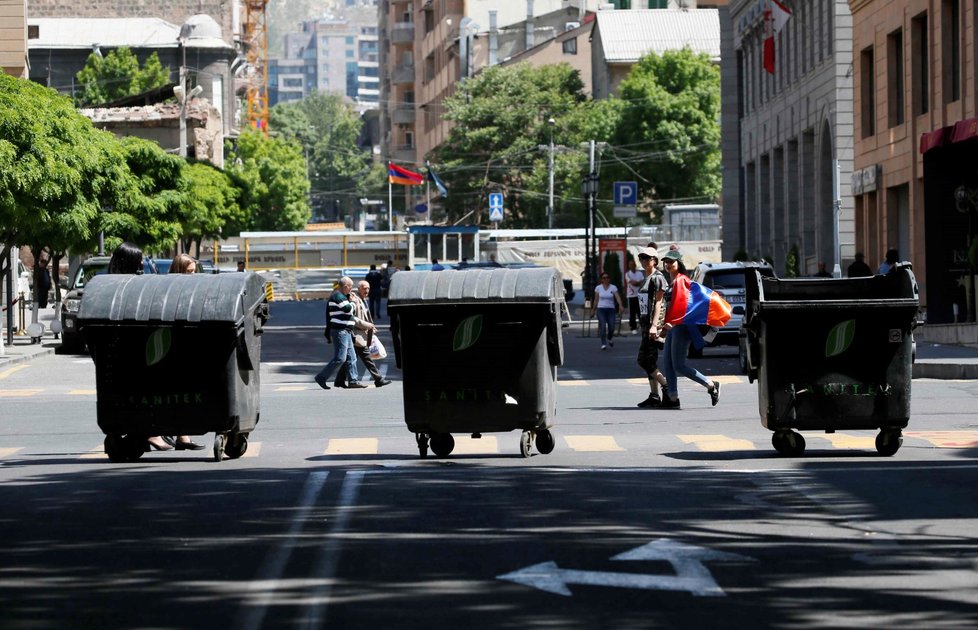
(694, 305)
(402, 176)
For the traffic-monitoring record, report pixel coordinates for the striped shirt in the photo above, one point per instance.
(340, 311)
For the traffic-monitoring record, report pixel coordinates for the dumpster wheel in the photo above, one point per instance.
(220, 441)
(788, 443)
(236, 447)
(442, 444)
(526, 443)
(889, 441)
(545, 441)
(123, 448)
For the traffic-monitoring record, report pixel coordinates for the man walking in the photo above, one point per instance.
(365, 330)
(339, 318)
(375, 280)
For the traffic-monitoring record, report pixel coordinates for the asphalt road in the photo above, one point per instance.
(638, 519)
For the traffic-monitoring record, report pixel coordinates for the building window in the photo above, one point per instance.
(292, 83)
(920, 64)
(570, 46)
(429, 20)
(894, 78)
(867, 92)
(349, 40)
(429, 67)
(951, 49)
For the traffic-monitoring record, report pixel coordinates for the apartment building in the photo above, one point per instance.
(915, 182)
(786, 136)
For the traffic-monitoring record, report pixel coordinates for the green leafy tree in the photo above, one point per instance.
(210, 202)
(271, 174)
(500, 141)
(328, 129)
(117, 75)
(668, 131)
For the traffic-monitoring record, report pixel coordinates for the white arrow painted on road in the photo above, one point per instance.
(687, 560)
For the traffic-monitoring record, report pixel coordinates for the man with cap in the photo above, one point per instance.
(678, 340)
(859, 268)
(651, 313)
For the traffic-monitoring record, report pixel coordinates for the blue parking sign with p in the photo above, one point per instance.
(626, 193)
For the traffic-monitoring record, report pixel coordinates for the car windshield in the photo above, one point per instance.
(87, 272)
(733, 279)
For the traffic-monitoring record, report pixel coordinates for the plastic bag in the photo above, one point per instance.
(377, 349)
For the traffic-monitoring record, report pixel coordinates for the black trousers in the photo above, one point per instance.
(632, 312)
(364, 354)
(648, 349)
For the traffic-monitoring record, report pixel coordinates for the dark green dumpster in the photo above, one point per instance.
(479, 351)
(175, 354)
(832, 354)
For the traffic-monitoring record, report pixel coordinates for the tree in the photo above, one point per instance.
(117, 75)
(210, 202)
(328, 129)
(500, 121)
(271, 174)
(668, 132)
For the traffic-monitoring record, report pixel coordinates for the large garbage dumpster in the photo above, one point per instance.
(175, 354)
(832, 354)
(479, 351)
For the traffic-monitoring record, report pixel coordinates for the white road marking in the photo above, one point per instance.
(7, 452)
(717, 443)
(352, 446)
(592, 443)
(269, 578)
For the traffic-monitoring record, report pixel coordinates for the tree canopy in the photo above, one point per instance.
(271, 174)
(117, 75)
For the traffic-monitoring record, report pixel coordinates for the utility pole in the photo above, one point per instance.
(590, 189)
(550, 202)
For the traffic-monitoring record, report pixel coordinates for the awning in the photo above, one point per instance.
(958, 132)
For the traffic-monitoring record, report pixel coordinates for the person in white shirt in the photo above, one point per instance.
(607, 304)
(634, 279)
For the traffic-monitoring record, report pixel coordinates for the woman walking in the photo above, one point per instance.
(607, 303)
(678, 339)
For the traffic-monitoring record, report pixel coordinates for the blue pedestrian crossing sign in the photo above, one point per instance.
(495, 207)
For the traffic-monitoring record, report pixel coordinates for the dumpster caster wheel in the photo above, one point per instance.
(442, 444)
(220, 441)
(889, 442)
(788, 443)
(422, 441)
(122, 448)
(236, 448)
(526, 443)
(545, 441)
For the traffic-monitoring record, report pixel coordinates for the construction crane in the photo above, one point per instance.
(256, 53)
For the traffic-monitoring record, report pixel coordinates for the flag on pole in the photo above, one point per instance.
(402, 176)
(434, 179)
(775, 17)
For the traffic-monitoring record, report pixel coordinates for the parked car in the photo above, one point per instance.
(71, 341)
(728, 279)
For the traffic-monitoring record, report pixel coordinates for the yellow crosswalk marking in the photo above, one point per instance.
(573, 383)
(254, 449)
(7, 452)
(947, 439)
(13, 393)
(717, 443)
(728, 379)
(592, 443)
(10, 371)
(637, 381)
(96, 453)
(81, 392)
(292, 388)
(466, 445)
(351, 446)
(843, 440)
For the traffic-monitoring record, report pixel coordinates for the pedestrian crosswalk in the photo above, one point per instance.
(500, 444)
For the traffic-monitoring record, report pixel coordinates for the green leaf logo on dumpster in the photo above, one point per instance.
(157, 346)
(467, 333)
(840, 338)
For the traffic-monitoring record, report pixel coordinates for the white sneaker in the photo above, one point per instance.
(634, 332)
(604, 347)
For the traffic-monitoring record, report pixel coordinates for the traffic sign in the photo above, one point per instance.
(626, 193)
(496, 207)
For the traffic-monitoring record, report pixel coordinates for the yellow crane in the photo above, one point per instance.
(256, 53)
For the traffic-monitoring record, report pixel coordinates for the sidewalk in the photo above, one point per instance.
(22, 349)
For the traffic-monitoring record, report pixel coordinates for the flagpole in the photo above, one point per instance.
(427, 192)
(390, 205)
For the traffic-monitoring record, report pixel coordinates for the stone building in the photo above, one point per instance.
(916, 145)
(787, 136)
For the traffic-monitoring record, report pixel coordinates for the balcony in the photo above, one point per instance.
(403, 75)
(403, 115)
(403, 33)
(405, 153)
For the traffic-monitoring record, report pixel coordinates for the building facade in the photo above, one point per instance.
(916, 144)
(787, 137)
(13, 37)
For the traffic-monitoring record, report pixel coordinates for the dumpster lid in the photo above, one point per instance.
(523, 285)
(171, 297)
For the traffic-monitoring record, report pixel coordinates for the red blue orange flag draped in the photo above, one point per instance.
(694, 305)
(402, 176)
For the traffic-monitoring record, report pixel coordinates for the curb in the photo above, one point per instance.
(946, 371)
(14, 359)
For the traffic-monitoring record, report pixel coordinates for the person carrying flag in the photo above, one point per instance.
(688, 305)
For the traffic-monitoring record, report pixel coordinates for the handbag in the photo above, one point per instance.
(377, 349)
